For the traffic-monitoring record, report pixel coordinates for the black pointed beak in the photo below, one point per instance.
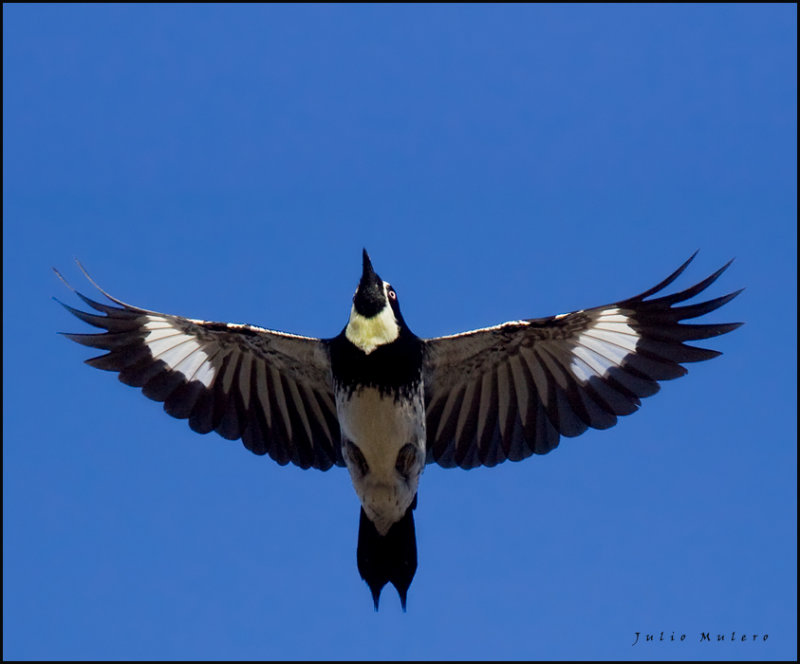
(370, 298)
(367, 274)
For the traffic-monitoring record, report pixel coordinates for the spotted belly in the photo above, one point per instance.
(383, 445)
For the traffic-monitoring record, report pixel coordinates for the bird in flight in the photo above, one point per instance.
(383, 402)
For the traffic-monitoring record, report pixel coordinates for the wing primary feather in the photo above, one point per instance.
(282, 426)
(280, 399)
(303, 439)
(111, 323)
(125, 305)
(674, 314)
(487, 416)
(663, 284)
(693, 290)
(223, 417)
(572, 390)
(444, 442)
(547, 436)
(448, 412)
(467, 421)
(235, 379)
(180, 403)
(505, 414)
(319, 428)
(162, 384)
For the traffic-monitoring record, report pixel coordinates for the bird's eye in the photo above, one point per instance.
(392, 294)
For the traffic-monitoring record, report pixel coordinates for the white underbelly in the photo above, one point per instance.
(380, 426)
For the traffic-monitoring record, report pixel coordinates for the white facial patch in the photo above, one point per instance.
(604, 345)
(179, 351)
(369, 333)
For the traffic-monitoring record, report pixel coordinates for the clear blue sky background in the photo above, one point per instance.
(498, 162)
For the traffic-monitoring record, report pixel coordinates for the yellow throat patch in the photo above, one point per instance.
(369, 333)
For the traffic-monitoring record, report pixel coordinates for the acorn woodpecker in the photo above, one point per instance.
(383, 402)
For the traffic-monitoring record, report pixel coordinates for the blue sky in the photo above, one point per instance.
(498, 162)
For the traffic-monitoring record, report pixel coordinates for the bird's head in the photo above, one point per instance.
(375, 318)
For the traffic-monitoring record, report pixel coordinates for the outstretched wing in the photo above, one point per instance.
(509, 391)
(273, 390)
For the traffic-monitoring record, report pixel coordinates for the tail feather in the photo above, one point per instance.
(390, 558)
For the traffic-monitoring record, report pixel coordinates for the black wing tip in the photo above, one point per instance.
(100, 288)
(734, 294)
(686, 263)
(716, 274)
(55, 299)
(63, 281)
(82, 269)
(687, 293)
(72, 310)
(71, 336)
(92, 303)
(708, 331)
(75, 290)
(728, 298)
(665, 282)
(729, 327)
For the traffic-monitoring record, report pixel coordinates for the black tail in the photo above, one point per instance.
(388, 558)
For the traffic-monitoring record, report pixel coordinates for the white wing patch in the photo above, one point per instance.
(179, 351)
(526, 383)
(604, 345)
(271, 389)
